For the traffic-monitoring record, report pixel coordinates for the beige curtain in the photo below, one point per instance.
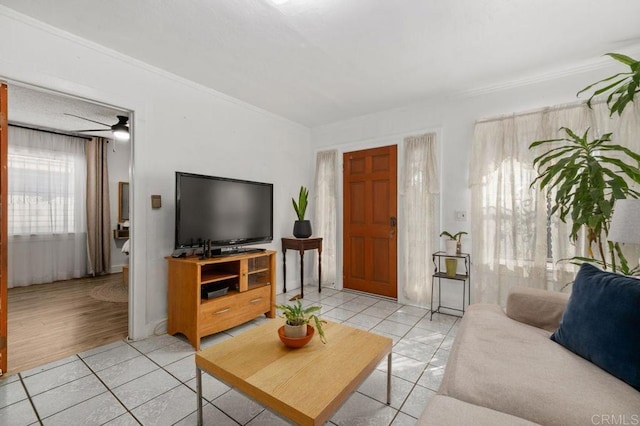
(420, 221)
(326, 218)
(98, 209)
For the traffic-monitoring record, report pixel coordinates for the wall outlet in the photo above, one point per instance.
(461, 215)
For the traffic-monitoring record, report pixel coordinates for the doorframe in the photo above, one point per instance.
(137, 326)
(4, 233)
(377, 142)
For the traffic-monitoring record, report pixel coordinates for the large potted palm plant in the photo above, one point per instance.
(586, 175)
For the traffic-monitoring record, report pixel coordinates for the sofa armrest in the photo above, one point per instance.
(539, 308)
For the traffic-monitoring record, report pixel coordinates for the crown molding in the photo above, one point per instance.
(593, 64)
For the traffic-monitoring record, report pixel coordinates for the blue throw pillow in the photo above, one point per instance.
(602, 322)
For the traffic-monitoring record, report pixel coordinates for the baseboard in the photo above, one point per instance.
(116, 269)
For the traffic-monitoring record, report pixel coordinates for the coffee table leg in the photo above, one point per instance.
(199, 394)
(389, 379)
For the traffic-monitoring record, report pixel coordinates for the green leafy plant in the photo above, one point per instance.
(301, 206)
(587, 176)
(457, 236)
(624, 87)
(297, 315)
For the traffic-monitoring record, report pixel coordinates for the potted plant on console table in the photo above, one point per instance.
(301, 227)
(297, 332)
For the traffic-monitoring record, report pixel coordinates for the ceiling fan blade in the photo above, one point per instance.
(92, 130)
(87, 119)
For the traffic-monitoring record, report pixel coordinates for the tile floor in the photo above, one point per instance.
(152, 381)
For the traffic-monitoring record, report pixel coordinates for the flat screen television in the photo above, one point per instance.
(228, 212)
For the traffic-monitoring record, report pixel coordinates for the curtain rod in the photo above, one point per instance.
(46, 130)
(575, 104)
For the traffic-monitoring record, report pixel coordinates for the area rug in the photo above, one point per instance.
(111, 292)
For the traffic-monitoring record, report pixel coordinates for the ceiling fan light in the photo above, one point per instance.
(120, 129)
(121, 134)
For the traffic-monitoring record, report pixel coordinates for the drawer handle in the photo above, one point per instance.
(256, 300)
(222, 311)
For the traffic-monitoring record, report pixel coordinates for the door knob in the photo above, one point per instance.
(393, 222)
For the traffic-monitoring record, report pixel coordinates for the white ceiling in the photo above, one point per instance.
(319, 61)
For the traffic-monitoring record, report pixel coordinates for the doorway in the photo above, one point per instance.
(84, 312)
(370, 221)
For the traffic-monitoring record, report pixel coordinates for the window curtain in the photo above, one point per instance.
(98, 209)
(419, 216)
(514, 241)
(325, 213)
(46, 203)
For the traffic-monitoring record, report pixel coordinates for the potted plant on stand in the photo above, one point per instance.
(453, 247)
(296, 331)
(453, 243)
(301, 227)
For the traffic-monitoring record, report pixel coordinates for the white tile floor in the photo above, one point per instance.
(152, 382)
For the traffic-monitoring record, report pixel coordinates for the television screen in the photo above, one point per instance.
(229, 212)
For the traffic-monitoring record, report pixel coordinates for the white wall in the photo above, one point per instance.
(453, 119)
(177, 125)
(119, 162)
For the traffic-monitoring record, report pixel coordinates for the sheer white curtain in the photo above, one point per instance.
(419, 215)
(514, 240)
(46, 203)
(508, 219)
(325, 212)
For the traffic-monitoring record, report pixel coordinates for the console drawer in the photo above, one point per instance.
(256, 301)
(218, 315)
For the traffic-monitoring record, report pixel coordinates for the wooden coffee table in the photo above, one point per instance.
(305, 385)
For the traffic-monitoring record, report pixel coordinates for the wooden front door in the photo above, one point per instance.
(4, 124)
(370, 204)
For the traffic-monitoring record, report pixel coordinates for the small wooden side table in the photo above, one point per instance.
(301, 244)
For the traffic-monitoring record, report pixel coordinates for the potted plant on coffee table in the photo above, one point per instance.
(301, 227)
(297, 323)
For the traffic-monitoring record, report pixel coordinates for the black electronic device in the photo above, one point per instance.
(225, 212)
(211, 291)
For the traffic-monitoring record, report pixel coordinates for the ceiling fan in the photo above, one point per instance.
(120, 129)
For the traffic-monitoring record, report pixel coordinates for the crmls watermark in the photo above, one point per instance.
(615, 419)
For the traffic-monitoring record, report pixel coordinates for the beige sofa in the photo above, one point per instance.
(504, 370)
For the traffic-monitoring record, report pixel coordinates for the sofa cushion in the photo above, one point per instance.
(602, 322)
(443, 410)
(508, 366)
(536, 307)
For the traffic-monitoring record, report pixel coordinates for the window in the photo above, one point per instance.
(41, 192)
(46, 193)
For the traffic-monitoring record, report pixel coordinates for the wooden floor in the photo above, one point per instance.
(48, 322)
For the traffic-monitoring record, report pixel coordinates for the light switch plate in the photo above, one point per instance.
(156, 201)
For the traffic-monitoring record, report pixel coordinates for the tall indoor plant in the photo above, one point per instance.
(586, 175)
